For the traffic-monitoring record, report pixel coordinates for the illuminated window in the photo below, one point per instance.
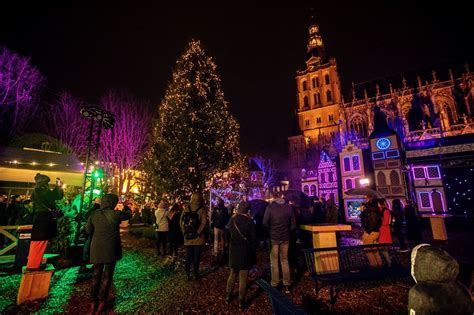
(394, 178)
(355, 163)
(316, 98)
(329, 96)
(419, 172)
(326, 79)
(304, 86)
(381, 179)
(433, 172)
(348, 183)
(306, 189)
(425, 201)
(347, 164)
(305, 101)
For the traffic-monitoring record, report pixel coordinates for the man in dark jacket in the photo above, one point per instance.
(44, 225)
(106, 247)
(220, 218)
(242, 254)
(280, 221)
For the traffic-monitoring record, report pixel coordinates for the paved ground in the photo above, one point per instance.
(147, 284)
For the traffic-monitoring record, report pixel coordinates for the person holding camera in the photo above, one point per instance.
(44, 222)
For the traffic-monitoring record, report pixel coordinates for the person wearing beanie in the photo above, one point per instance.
(161, 227)
(106, 247)
(193, 223)
(242, 253)
(44, 224)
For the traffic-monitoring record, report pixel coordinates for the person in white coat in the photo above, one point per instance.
(161, 227)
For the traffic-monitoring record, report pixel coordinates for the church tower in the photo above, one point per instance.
(319, 93)
(318, 109)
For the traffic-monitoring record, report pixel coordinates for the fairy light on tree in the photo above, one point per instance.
(194, 127)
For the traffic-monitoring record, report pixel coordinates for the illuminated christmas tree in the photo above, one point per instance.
(194, 135)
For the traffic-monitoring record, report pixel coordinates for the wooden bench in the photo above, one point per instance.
(281, 305)
(354, 267)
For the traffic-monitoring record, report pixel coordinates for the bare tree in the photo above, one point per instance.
(20, 84)
(269, 174)
(67, 124)
(122, 147)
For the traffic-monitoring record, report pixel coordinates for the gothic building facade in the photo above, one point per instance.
(417, 107)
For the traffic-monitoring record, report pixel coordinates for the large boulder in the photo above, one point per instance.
(432, 297)
(432, 264)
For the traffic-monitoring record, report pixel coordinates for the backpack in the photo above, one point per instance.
(191, 224)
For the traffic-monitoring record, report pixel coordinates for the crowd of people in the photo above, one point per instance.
(236, 232)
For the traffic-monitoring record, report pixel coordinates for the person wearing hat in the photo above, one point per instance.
(44, 224)
(106, 247)
(242, 255)
(193, 223)
(161, 227)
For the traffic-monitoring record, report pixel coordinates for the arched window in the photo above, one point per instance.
(355, 163)
(316, 98)
(348, 184)
(381, 180)
(394, 178)
(305, 102)
(313, 80)
(326, 79)
(347, 164)
(358, 127)
(305, 87)
(329, 96)
(306, 189)
(313, 190)
(450, 115)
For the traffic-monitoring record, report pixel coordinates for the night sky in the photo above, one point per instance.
(89, 48)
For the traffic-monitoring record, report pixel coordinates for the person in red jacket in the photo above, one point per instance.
(385, 232)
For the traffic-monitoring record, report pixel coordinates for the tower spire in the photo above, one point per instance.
(315, 47)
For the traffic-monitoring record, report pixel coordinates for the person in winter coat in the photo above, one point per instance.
(413, 224)
(106, 247)
(399, 217)
(161, 227)
(242, 255)
(371, 221)
(331, 212)
(385, 236)
(193, 223)
(14, 209)
(219, 218)
(44, 224)
(280, 221)
(174, 235)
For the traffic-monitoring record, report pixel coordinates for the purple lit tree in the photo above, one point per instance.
(67, 124)
(20, 84)
(269, 174)
(122, 147)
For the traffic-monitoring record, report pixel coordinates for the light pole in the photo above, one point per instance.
(104, 119)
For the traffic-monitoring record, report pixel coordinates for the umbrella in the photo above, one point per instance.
(257, 207)
(370, 193)
(299, 198)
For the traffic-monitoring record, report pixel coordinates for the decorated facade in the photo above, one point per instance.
(430, 113)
